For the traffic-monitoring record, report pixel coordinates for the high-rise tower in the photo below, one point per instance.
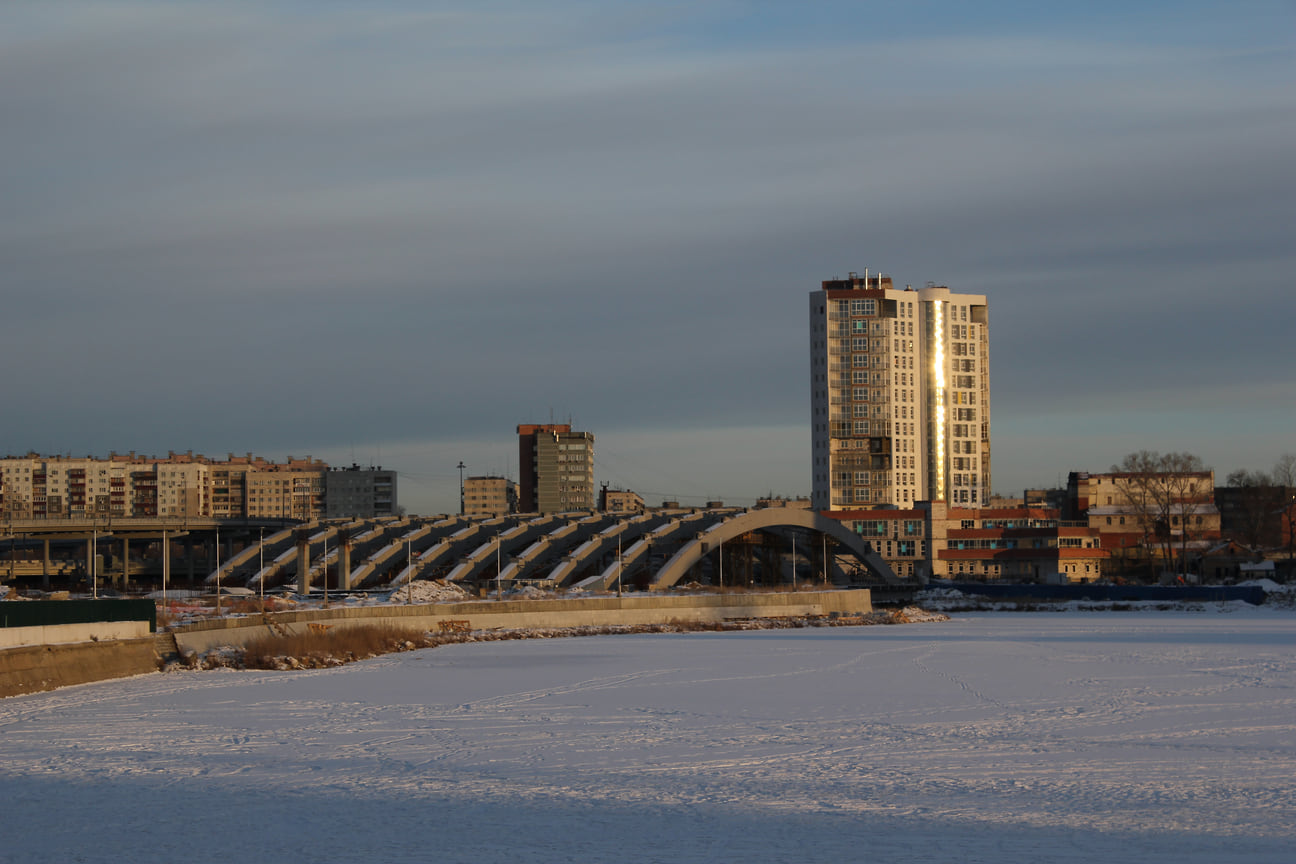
(556, 468)
(900, 395)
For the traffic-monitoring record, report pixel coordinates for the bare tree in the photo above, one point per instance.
(1251, 505)
(1284, 474)
(1164, 492)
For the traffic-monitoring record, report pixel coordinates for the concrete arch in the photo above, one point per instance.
(764, 519)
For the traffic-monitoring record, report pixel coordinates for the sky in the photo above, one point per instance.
(387, 233)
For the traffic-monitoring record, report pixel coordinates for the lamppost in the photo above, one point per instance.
(461, 487)
(499, 583)
(218, 606)
(720, 552)
(794, 585)
(824, 537)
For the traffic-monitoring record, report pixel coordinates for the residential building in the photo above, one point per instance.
(620, 501)
(556, 467)
(1023, 544)
(366, 493)
(900, 395)
(1256, 516)
(1130, 511)
(489, 496)
(787, 503)
(184, 484)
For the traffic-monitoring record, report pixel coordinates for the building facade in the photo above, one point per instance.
(366, 493)
(1020, 544)
(620, 501)
(556, 468)
(1130, 511)
(900, 395)
(489, 496)
(185, 484)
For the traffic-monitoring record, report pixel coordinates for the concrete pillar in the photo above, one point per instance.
(125, 578)
(303, 562)
(166, 562)
(45, 562)
(189, 557)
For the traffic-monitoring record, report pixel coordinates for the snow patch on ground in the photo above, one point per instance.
(1069, 737)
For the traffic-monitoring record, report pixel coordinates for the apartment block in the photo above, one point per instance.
(620, 501)
(1024, 544)
(900, 395)
(1132, 511)
(489, 495)
(556, 468)
(184, 484)
(366, 493)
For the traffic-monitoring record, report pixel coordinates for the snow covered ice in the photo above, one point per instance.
(1127, 736)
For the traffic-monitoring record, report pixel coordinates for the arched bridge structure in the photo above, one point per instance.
(579, 551)
(729, 529)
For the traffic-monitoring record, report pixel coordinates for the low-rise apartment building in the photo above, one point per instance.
(1024, 544)
(187, 484)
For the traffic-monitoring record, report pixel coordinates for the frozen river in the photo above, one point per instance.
(1129, 736)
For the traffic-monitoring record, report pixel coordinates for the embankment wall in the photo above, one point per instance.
(34, 668)
(529, 614)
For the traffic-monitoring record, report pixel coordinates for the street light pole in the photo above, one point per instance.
(218, 606)
(461, 487)
(794, 587)
(721, 551)
(824, 537)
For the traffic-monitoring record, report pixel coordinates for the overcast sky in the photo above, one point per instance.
(389, 232)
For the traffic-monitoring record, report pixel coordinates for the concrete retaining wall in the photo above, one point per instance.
(35, 668)
(51, 634)
(568, 612)
(45, 667)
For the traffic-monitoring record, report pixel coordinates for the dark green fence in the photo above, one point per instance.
(40, 613)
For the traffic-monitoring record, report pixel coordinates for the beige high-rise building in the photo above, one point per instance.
(900, 395)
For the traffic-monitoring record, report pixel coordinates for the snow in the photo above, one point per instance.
(1149, 736)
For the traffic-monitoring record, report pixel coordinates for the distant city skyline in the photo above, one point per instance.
(387, 234)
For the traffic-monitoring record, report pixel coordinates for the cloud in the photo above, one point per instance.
(340, 224)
